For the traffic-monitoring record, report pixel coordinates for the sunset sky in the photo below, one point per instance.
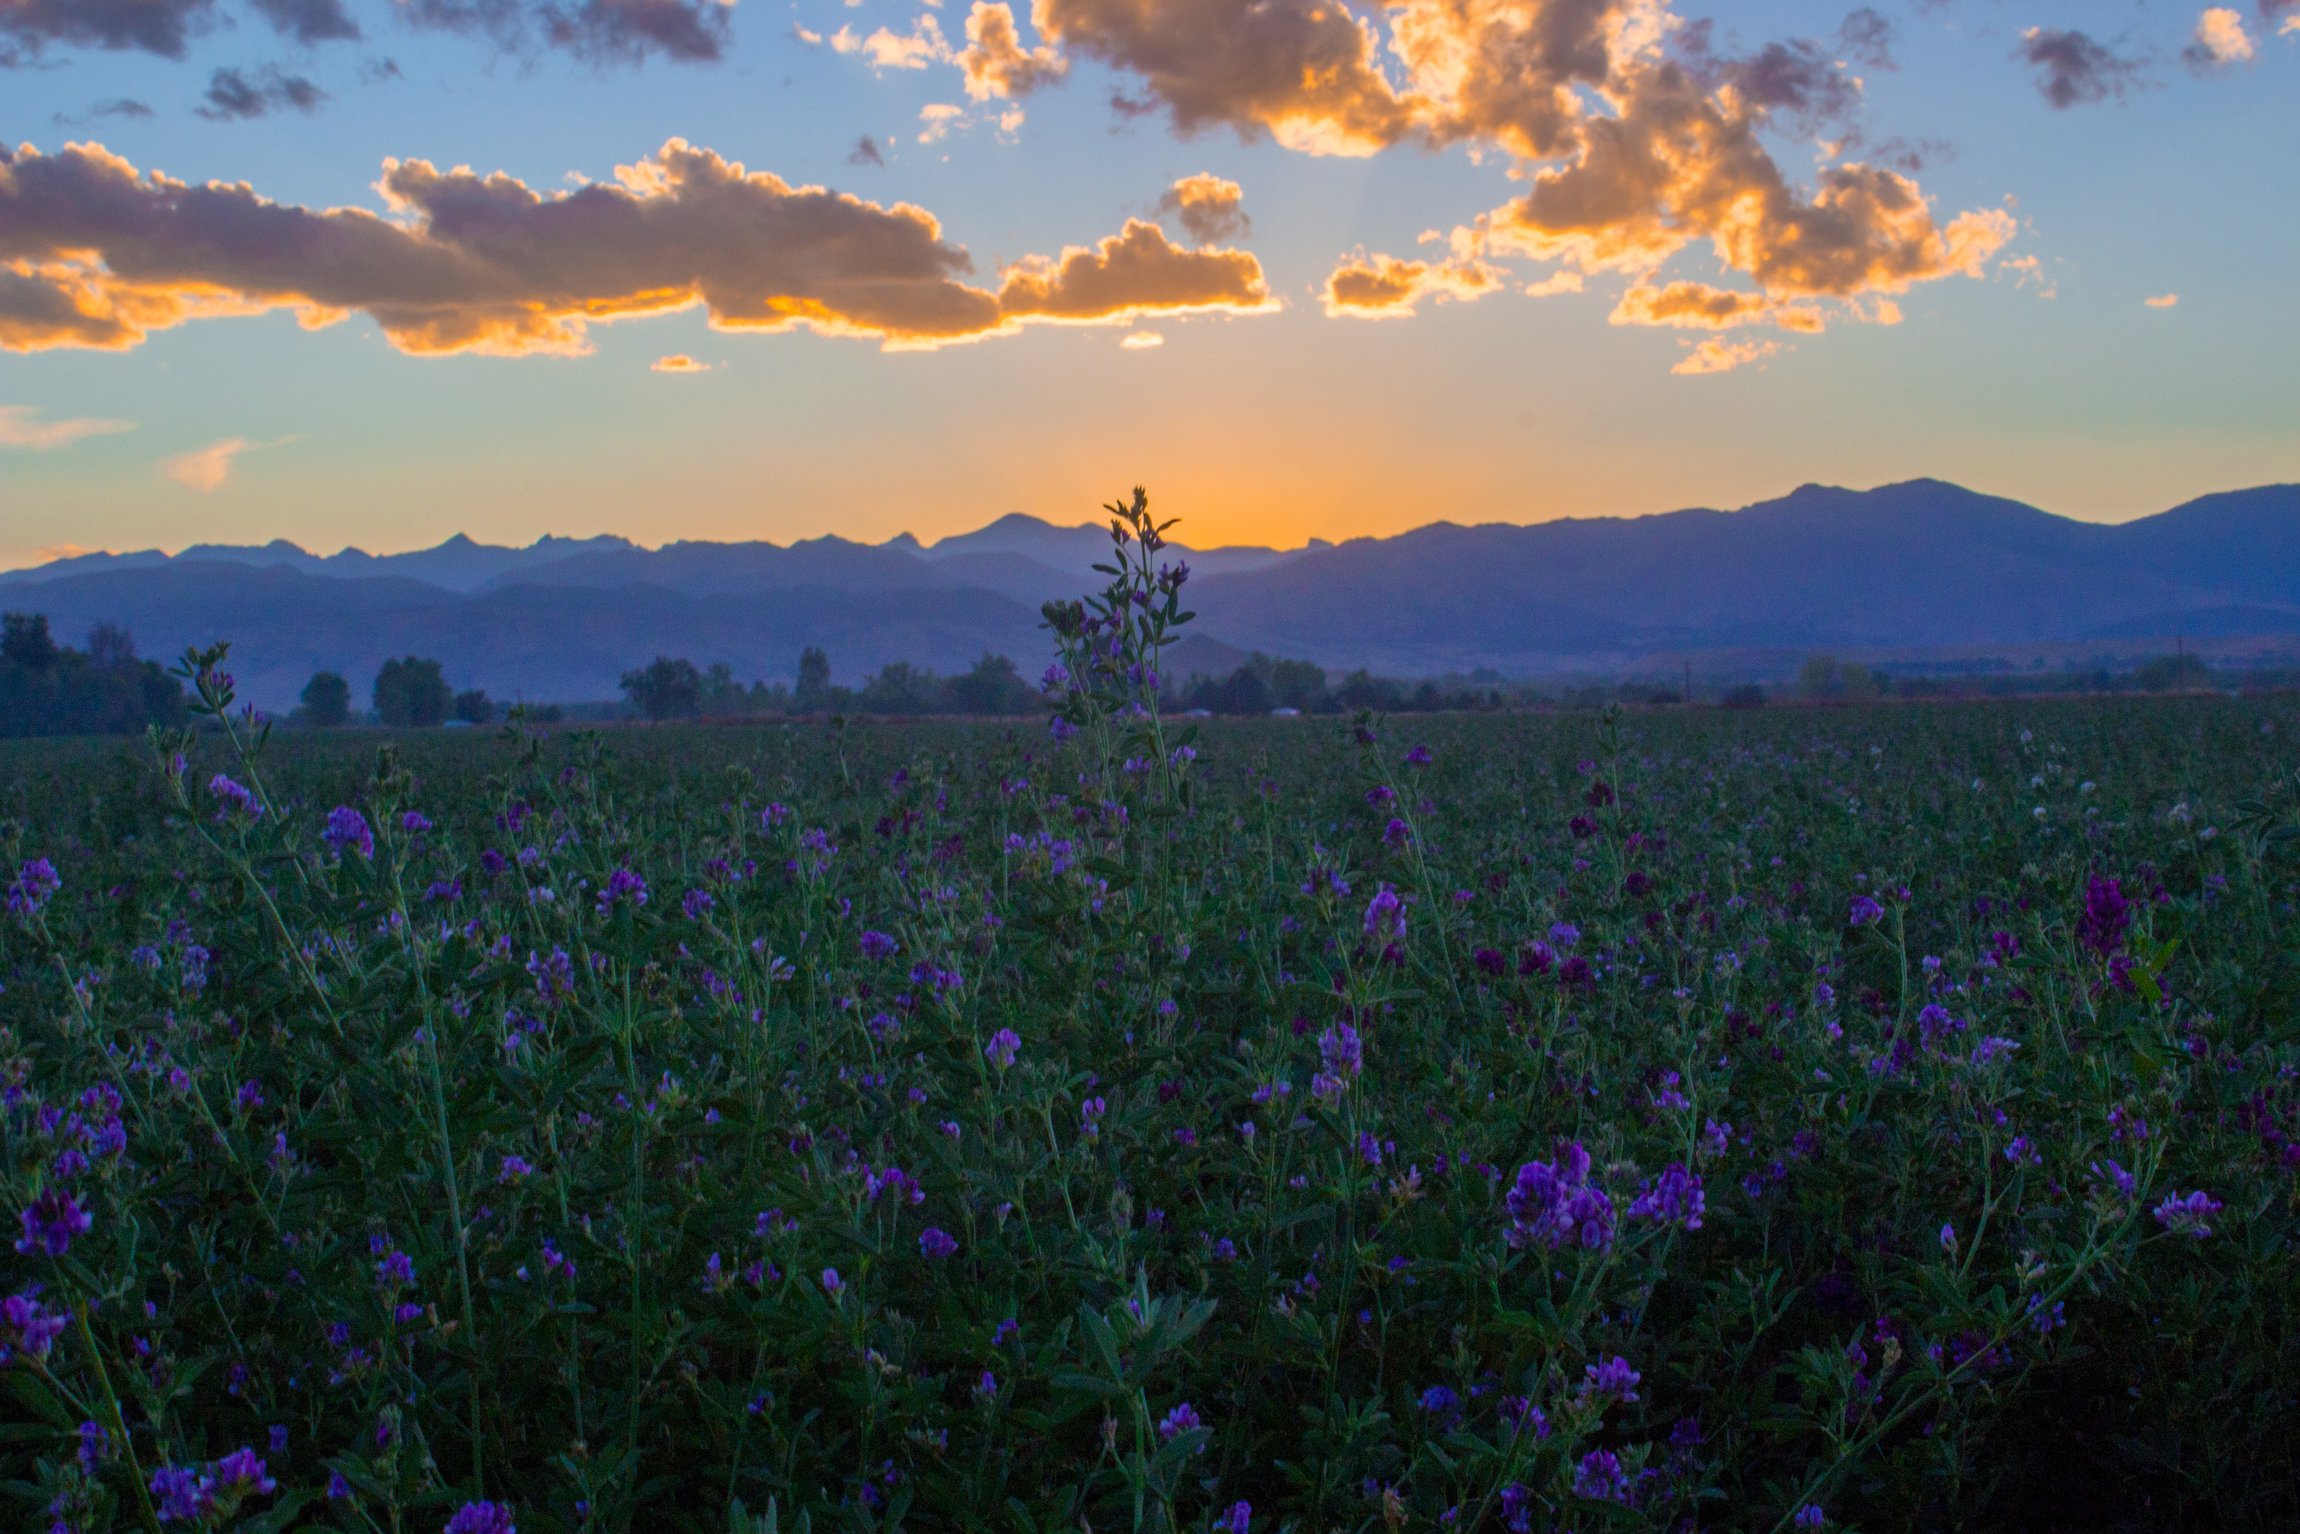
(374, 272)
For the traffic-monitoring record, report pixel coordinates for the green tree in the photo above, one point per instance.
(994, 686)
(326, 699)
(47, 689)
(412, 693)
(901, 688)
(474, 707)
(25, 642)
(668, 687)
(1820, 678)
(814, 690)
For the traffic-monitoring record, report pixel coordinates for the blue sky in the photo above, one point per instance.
(2026, 359)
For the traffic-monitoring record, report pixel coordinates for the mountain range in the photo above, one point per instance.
(1906, 567)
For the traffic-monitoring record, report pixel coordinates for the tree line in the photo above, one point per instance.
(105, 689)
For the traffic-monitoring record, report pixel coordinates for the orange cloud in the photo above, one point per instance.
(95, 254)
(1207, 207)
(206, 469)
(679, 362)
(1136, 271)
(1717, 355)
(1637, 141)
(19, 428)
(1383, 287)
(2163, 301)
(1698, 306)
(1141, 340)
(2220, 40)
(994, 59)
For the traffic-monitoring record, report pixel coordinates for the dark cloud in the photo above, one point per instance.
(122, 106)
(1867, 35)
(94, 253)
(1303, 71)
(1795, 79)
(139, 26)
(1912, 156)
(627, 31)
(309, 21)
(865, 152)
(1207, 207)
(2073, 69)
(597, 31)
(232, 96)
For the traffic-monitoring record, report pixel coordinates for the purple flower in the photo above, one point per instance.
(937, 1243)
(348, 828)
(2188, 1214)
(1090, 1117)
(1810, 1517)
(414, 823)
(2114, 1174)
(1342, 1054)
(1553, 1204)
(51, 1221)
(482, 1518)
(1673, 1198)
(242, 1473)
(1237, 1518)
(393, 1267)
(554, 976)
(1864, 912)
(1599, 1477)
(877, 945)
(27, 1326)
(622, 885)
(1612, 1379)
(1385, 916)
(697, 904)
(36, 882)
(514, 1168)
(1182, 1419)
(185, 1496)
(235, 795)
(2106, 915)
(832, 1283)
(1004, 1045)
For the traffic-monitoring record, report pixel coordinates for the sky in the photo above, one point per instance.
(375, 272)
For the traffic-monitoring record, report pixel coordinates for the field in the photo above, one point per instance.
(1867, 1118)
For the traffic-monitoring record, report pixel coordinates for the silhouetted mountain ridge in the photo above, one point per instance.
(1918, 564)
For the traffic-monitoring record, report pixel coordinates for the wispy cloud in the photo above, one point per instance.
(206, 469)
(1717, 355)
(1142, 340)
(20, 428)
(2164, 301)
(679, 362)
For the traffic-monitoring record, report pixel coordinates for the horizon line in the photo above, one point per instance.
(45, 558)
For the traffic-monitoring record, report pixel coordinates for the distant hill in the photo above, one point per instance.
(1910, 565)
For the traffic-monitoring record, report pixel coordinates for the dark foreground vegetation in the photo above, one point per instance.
(1870, 1118)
